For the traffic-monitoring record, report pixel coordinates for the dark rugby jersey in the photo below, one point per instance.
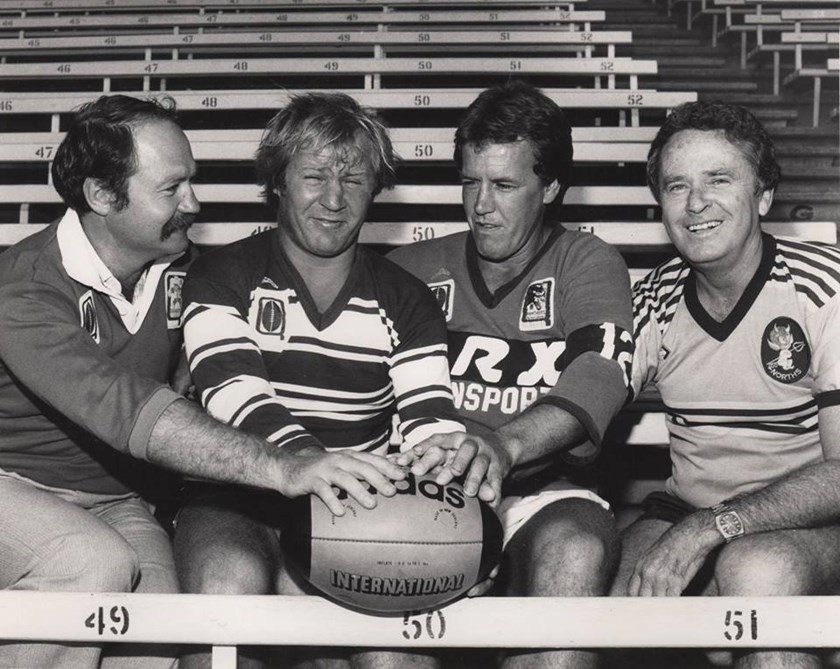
(83, 371)
(558, 333)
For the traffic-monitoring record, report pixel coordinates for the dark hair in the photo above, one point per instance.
(315, 121)
(739, 126)
(515, 111)
(100, 145)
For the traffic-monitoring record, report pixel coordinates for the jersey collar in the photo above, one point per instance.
(720, 330)
(480, 288)
(83, 264)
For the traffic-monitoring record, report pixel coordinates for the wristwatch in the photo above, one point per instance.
(728, 522)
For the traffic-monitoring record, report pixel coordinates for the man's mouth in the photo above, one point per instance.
(705, 225)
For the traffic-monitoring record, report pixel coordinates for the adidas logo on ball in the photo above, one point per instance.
(451, 495)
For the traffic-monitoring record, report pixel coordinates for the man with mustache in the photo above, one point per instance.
(90, 334)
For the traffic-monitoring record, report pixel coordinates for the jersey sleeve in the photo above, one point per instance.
(420, 368)
(825, 326)
(595, 304)
(44, 347)
(225, 361)
(647, 337)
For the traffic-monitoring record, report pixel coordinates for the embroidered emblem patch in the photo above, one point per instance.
(785, 354)
(538, 306)
(444, 292)
(173, 282)
(87, 315)
(271, 317)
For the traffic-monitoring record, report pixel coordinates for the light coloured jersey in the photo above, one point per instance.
(264, 360)
(558, 333)
(742, 395)
(83, 370)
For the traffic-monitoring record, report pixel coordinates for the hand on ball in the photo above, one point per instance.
(313, 469)
(483, 460)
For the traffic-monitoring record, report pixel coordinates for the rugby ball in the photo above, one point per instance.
(415, 551)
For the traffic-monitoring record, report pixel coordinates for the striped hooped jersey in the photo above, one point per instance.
(742, 395)
(266, 361)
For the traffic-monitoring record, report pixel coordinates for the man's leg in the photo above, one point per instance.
(49, 544)
(222, 549)
(790, 562)
(133, 519)
(567, 549)
(635, 541)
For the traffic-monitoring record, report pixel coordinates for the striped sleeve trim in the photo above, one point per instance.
(814, 270)
(828, 399)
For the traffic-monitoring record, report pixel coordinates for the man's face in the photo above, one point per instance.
(503, 199)
(708, 195)
(161, 202)
(325, 201)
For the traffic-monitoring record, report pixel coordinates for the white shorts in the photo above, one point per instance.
(515, 511)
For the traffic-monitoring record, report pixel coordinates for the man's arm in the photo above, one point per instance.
(808, 497)
(187, 440)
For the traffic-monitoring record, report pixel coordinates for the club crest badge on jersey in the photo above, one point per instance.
(538, 306)
(271, 317)
(173, 282)
(785, 354)
(444, 292)
(87, 315)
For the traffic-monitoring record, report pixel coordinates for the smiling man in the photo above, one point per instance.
(741, 335)
(311, 341)
(539, 324)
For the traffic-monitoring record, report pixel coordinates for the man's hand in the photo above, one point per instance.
(668, 566)
(484, 460)
(312, 469)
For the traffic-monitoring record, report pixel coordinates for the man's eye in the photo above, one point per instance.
(674, 188)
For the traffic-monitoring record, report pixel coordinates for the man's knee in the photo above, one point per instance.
(772, 563)
(95, 562)
(568, 548)
(228, 570)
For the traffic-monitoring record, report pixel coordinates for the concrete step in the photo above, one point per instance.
(662, 83)
(688, 62)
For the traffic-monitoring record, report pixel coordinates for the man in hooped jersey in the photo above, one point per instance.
(306, 338)
(539, 322)
(741, 335)
(90, 333)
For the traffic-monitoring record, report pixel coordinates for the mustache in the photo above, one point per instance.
(178, 222)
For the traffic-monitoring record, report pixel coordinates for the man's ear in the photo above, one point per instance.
(551, 192)
(765, 202)
(99, 198)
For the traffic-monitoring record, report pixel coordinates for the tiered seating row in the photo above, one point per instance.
(250, 19)
(130, 5)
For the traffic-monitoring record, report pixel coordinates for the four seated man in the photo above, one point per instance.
(313, 346)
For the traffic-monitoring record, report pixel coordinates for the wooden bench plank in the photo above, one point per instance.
(131, 5)
(355, 17)
(245, 193)
(628, 236)
(431, 98)
(425, 38)
(484, 622)
(412, 144)
(328, 66)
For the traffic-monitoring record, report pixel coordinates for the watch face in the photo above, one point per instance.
(730, 524)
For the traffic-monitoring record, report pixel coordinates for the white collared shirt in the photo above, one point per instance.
(83, 264)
